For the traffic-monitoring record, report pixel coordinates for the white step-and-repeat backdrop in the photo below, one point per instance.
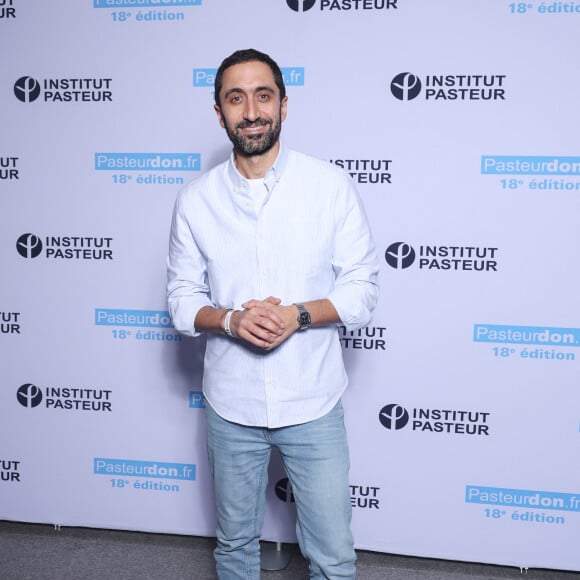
(459, 122)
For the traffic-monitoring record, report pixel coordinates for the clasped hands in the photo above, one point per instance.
(264, 323)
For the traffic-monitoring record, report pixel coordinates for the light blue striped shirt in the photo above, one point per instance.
(309, 240)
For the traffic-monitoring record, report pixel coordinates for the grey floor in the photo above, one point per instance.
(39, 552)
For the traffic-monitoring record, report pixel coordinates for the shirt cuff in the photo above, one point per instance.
(354, 308)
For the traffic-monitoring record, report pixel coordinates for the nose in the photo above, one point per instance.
(251, 112)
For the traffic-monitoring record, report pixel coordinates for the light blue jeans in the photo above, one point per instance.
(315, 456)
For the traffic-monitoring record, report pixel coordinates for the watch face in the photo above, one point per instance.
(304, 319)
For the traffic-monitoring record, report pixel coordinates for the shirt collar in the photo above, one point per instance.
(272, 177)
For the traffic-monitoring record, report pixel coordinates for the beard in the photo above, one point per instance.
(251, 145)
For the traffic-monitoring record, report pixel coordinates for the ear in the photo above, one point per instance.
(283, 108)
(220, 117)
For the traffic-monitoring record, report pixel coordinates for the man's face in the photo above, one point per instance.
(250, 108)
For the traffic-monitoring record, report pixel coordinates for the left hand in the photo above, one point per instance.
(289, 314)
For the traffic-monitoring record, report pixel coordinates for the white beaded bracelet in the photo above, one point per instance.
(227, 322)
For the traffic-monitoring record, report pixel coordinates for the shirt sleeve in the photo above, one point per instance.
(355, 261)
(187, 286)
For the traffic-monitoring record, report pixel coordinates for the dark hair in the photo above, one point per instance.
(248, 55)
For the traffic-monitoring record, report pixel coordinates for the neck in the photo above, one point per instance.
(256, 166)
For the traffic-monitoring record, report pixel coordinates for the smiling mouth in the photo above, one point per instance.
(254, 129)
(257, 125)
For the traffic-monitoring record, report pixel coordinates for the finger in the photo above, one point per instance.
(273, 300)
(278, 341)
(251, 326)
(270, 320)
(266, 327)
(265, 317)
(270, 300)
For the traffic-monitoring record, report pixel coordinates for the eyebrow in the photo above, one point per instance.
(256, 90)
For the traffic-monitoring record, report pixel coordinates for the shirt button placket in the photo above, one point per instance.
(261, 257)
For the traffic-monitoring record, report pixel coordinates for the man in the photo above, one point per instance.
(268, 253)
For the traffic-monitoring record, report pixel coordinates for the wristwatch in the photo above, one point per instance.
(303, 317)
